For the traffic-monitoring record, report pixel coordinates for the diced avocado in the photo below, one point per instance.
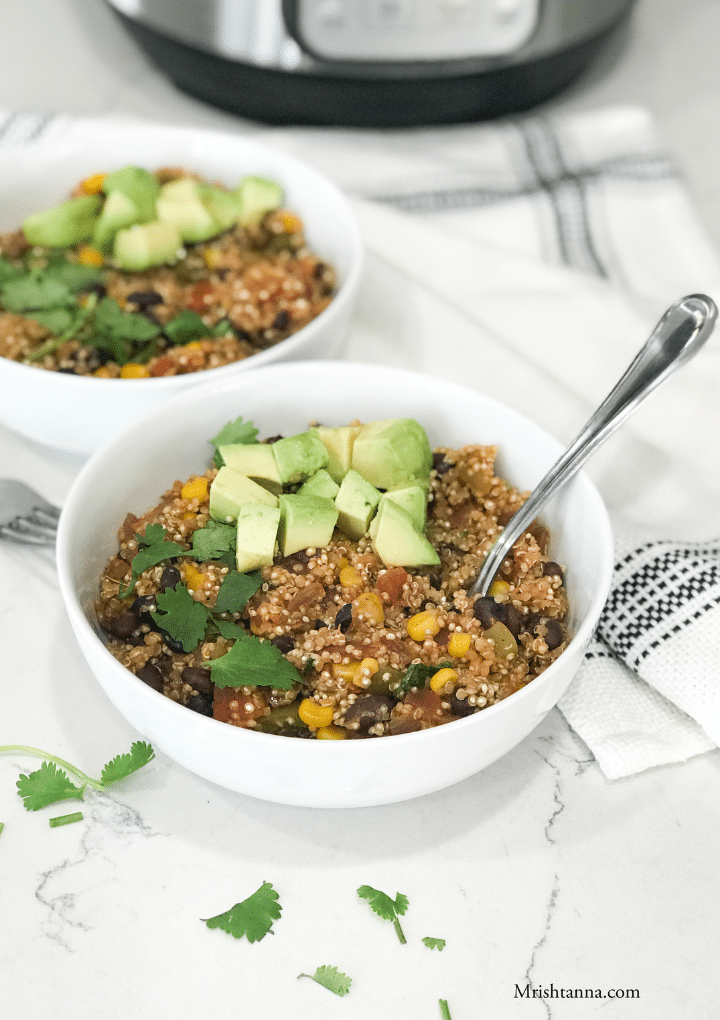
(67, 224)
(137, 184)
(255, 460)
(229, 490)
(118, 211)
(320, 484)
(257, 528)
(298, 457)
(146, 244)
(339, 443)
(413, 500)
(392, 454)
(223, 206)
(397, 542)
(306, 522)
(180, 203)
(256, 197)
(356, 501)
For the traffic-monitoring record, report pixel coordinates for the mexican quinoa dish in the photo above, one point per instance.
(144, 274)
(314, 585)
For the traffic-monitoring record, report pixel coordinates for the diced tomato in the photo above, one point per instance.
(200, 296)
(391, 583)
(162, 366)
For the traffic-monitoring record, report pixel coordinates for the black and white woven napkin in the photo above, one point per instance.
(530, 258)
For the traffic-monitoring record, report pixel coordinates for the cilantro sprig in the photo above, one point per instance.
(331, 978)
(252, 918)
(254, 663)
(432, 943)
(417, 675)
(236, 431)
(153, 548)
(51, 783)
(385, 907)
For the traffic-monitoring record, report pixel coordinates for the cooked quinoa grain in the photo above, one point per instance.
(377, 650)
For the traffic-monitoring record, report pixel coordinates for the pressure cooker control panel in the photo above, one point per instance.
(411, 30)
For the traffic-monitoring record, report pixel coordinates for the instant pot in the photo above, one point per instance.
(371, 63)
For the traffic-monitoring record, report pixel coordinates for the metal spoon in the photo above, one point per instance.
(678, 336)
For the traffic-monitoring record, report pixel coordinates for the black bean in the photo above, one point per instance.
(169, 578)
(552, 569)
(121, 626)
(151, 676)
(199, 678)
(488, 611)
(145, 298)
(283, 642)
(201, 703)
(170, 642)
(281, 319)
(319, 624)
(513, 619)
(554, 633)
(368, 710)
(95, 288)
(67, 371)
(460, 707)
(144, 605)
(343, 617)
(272, 439)
(318, 270)
(441, 464)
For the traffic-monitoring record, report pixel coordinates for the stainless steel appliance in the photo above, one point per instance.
(379, 63)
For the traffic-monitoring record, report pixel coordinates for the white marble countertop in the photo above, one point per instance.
(538, 872)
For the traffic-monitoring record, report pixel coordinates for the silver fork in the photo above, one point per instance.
(25, 517)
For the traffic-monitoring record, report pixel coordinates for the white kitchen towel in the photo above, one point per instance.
(530, 257)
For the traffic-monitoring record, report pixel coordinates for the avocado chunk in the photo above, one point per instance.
(255, 460)
(320, 484)
(67, 224)
(180, 203)
(392, 454)
(413, 500)
(339, 443)
(397, 541)
(118, 211)
(146, 244)
(356, 501)
(229, 490)
(257, 528)
(306, 522)
(298, 457)
(139, 186)
(256, 197)
(222, 205)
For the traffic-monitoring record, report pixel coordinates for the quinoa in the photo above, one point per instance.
(378, 650)
(252, 288)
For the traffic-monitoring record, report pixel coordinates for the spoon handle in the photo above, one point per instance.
(679, 334)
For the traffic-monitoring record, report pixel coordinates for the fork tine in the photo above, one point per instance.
(26, 531)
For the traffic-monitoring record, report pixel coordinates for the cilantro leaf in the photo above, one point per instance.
(47, 785)
(216, 541)
(386, 907)
(236, 589)
(332, 979)
(9, 270)
(417, 675)
(181, 616)
(254, 663)
(74, 275)
(228, 629)
(34, 290)
(124, 765)
(237, 431)
(444, 1009)
(56, 320)
(121, 334)
(185, 327)
(155, 549)
(252, 917)
(432, 943)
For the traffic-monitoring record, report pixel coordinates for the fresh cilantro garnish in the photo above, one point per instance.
(2, 826)
(236, 589)
(9, 270)
(252, 918)
(185, 327)
(121, 334)
(181, 616)
(228, 629)
(222, 328)
(444, 1009)
(308, 667)
(385, 907)
(417, 675)
(76, 816)
(54, 318)
(216, 541)
(237, 431)
(432, 943)
(254, 663)
(51, 783)
(35, 290)
(154, 549)
(332, 979)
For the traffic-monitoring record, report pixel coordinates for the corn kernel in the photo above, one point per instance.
(369, 667)
(498, 588)
(344, 562)
(370, 606)
(443, 677)
(93, 184)
(194, 345)
(348, 671)
(423, 625)
(195, 488)
(89, 256)
(349, 577)
(459, 644)
(193, 577)
(331, 733)
(313, 715)
(291, 223)
(102, 372)
(212, 257)
(134, 371)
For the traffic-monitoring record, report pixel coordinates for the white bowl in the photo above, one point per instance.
(78, 414)
(173, 443)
